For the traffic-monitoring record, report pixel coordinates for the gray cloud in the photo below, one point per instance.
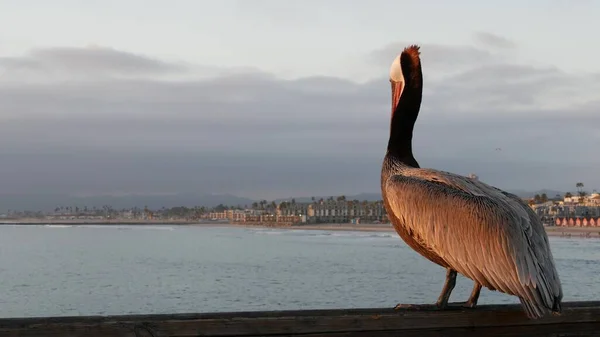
(508, 73)
(82, 62)
(509, 86)
(256, 135)
(494, 41)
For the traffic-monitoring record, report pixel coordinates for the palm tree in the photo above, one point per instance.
(582, 195)
(580, 191)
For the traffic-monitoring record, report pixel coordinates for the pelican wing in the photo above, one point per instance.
(482, 232)
(541, 245)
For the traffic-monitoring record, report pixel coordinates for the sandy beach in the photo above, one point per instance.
(585, 232)
(330, 227)
(591, 232)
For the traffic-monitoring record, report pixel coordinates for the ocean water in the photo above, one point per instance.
(102, 270)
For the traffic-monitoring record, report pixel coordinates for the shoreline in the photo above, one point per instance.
(328, 227)
(584, 232)
(103, 222)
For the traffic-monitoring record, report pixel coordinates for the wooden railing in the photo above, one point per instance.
(578, 319)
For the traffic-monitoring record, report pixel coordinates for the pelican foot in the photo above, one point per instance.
(436, 306)
(467, 305)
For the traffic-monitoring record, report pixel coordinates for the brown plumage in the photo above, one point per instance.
(459, 223)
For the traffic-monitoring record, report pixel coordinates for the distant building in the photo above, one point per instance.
(217, 215)
(235, 215)
(577, 221)
(594, 199)
(336, 211)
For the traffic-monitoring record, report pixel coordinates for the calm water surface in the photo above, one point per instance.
(100, 270)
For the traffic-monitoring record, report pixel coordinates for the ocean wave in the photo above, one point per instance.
(269, 232)
(129, 227)
(58, 226)
(324, 234)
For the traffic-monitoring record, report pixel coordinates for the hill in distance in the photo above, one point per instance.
(527, 194)
(359, 197)
(48, 202)
(377, 196)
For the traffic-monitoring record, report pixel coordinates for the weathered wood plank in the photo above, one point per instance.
(578, 319)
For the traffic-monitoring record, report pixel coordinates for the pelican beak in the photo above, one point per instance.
(397, 87)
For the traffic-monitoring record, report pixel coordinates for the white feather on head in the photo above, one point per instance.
(396, 71)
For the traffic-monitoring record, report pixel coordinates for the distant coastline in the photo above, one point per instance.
(34, 221)
(591, 232)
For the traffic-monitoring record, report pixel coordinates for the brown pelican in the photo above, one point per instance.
(459, 223)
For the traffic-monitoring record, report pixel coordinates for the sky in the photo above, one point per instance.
(269, 99)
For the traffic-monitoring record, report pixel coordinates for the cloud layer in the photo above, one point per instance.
(96, 120)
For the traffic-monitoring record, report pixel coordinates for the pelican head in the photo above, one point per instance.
(405, 64)
(397, 81)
